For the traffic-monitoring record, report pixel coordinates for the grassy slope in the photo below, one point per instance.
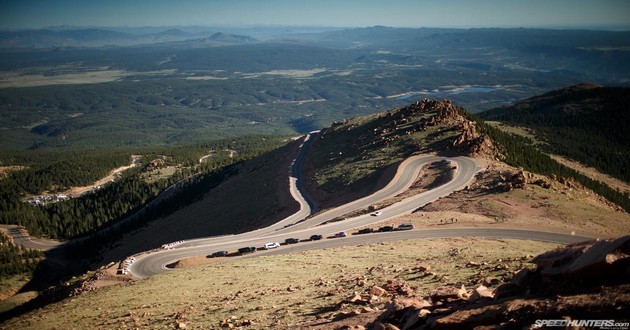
(278, 291)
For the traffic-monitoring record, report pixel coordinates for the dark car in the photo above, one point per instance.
(316, 237)
(248, 249)
(386, 228)
(405, 226)
(292, 240)
(218, 254)
(365, 231)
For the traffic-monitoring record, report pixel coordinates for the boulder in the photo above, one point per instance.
(522, 277)
(402, 288)
(447, 293)
(592, 259)
(377, 291)
(480, 292)
(414, 318)
(383, 326)
(507, 290)
(423, 268)
(489, 281)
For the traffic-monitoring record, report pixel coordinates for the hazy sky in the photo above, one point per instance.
(342, 13)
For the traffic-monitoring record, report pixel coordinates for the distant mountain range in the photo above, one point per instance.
(101, 37)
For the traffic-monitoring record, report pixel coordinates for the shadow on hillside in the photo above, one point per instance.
(48, 280)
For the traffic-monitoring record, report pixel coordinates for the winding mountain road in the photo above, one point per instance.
(301, 227)
(155, 263)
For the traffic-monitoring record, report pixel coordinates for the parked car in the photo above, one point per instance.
(271, 245)
(376, 214)
(386, 228)
(292, 240)
(218, 254)
(340, 234)
(405, 226)
(248, 249)
(365, 231)
(316, 237)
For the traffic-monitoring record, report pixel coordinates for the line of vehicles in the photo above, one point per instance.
(288, 241)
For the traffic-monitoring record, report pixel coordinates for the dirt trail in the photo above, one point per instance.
(593, 173)
(135, 161)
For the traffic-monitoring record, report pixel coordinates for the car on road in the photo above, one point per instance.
(316, 237)
(247, 249)
(218, 254)
(365, 231)
(292, 241)
(376, 214)
(405, 226)
(340, 234)
(386, 228)
(271, 245)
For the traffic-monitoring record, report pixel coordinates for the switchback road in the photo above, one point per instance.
(155, 262)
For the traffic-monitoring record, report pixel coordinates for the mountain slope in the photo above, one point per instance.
(364, 146)
(356, 157)
(587, 123)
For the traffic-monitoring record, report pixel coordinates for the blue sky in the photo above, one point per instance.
(19, 14)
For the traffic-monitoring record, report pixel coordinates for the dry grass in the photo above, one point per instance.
(517, 130)
(277, 291)
(566, 208)
(30, 80)
(593, 173)
(9, 286)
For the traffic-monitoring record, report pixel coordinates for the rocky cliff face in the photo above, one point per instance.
(434, 113)
(468, 141)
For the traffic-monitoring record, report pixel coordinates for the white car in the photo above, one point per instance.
(376, 214)
(272, 245)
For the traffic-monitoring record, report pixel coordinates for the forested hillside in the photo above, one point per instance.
(16, 260)
(161, 167)
(587, 123)
(519, 152)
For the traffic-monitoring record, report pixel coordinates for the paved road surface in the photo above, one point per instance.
(155, 263)
(21, 238)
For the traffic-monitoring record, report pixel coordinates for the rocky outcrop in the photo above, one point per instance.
(588, 260)
(587, 280)
(472, 143)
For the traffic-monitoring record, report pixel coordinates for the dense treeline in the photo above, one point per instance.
(55, 170)
(114, 201)
(585, 124)
(519, 152)
(192, 189)
(15, 260)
